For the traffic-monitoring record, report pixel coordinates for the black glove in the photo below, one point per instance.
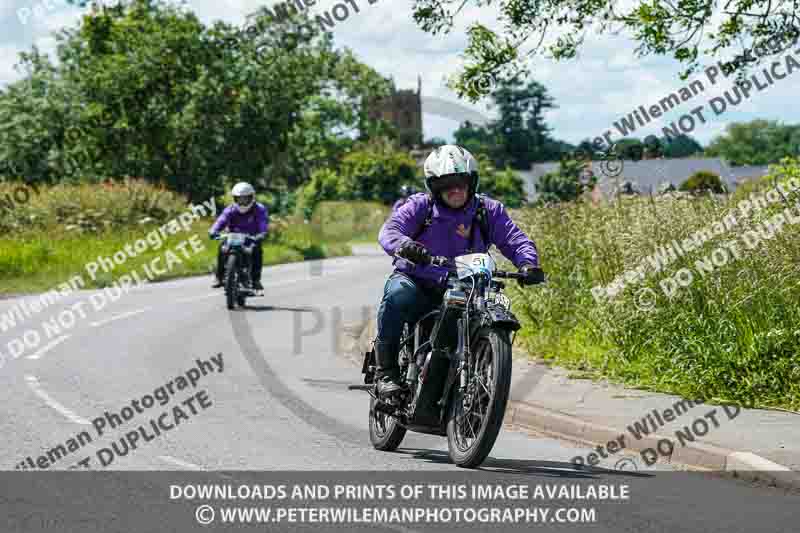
(531, 275)
(414, 252)
(213, 235)
(258, 237)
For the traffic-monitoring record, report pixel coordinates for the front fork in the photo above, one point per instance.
(459, 366)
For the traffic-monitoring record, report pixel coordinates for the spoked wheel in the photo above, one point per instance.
(231, 282)
(477, 415)
(385, 432)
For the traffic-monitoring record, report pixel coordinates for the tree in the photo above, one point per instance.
(372, 171)
(143, 89)
(435, 141)
(759, 142)
(682, 146)
(521, 128)
(564, 185)
(520, 135)
(683, 30)
(477, 139)
(701, 181)
(504, 185)
(376, 170)
(630, 148)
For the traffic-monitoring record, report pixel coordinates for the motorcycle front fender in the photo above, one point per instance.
(500, 318)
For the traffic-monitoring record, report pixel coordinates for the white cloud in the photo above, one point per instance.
(605, 82)
(8, 58)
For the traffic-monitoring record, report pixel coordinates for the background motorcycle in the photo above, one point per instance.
(238, 252)
(456, 362)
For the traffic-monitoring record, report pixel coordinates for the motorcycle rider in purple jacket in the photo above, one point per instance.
(405, 192)
(415, 288)
(245, 215)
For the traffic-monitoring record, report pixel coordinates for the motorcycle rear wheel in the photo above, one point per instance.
(385, 432)
(231, 282)
(470, 445)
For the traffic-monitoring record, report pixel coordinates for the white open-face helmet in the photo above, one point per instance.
(450, 164)
(244, 195)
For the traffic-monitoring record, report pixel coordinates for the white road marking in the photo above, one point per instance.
(46, 348)
(119, 317)
(33, 383)
(178, 462)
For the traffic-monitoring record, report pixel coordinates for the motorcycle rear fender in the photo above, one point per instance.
(368, 366)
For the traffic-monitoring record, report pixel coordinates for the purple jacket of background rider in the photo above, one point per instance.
(253, 222)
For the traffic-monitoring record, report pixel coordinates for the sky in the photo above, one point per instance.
(605, 82)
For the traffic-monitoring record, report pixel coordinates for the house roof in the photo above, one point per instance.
(648, 174)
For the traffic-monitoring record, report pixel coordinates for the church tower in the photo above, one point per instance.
(402, 109)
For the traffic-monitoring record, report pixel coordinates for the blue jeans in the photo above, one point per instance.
(404, 300)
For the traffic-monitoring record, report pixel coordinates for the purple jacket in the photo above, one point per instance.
(398, 204)
(253, 222)
(448, 235)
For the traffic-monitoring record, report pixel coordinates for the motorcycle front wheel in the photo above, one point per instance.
(231, 281)
(477, 415)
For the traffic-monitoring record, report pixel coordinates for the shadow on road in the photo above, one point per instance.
(261, 308)
(555, 469)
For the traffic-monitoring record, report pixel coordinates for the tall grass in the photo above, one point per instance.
(732, 334)
(350, 221)
(86, 208)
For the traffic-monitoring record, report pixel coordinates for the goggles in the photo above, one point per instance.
(244, 201)
(450, 181)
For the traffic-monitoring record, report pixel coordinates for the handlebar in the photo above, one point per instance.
(224, 235)
(446, 262)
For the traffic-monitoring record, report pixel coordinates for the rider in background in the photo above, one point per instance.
(244, 215)
(443, 222)
(405, 192)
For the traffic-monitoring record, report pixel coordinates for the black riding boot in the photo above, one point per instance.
(220, 272)
(387, 371)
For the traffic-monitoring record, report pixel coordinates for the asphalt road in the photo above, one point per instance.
(280, 400)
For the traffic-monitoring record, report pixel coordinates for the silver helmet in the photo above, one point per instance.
(244, 195)
(448, 162)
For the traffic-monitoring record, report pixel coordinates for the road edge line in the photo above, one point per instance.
(738, 463)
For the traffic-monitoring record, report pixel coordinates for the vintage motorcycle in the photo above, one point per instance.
(238, 251)
(456, 363)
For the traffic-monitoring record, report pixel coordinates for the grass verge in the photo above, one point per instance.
(55, 232)
(718, 321)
